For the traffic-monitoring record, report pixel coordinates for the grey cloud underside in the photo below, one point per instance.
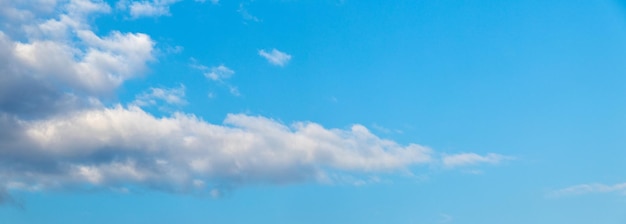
(24, 94)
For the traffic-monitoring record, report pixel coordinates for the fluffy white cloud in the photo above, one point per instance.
(51, 62)
(114, 147)
(81, 59)
(590, 188)
(55, 133)
(275, 57)
(468, 159)
(101, 67)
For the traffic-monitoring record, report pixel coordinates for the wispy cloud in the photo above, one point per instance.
(469, 159)
(170, 96)
(385, 130)
(234, 90)
(275, 57)
(245, 14)
(215, 2)
(590, 189)
(147, 8)
(219, 73)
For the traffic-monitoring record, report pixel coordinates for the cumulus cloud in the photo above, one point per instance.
(23, 94)
(114, 147)
(82, 60)
(469, 159)
(101, 67)
(55, 133)
(589, 189)
(47, 71)
(275, 57)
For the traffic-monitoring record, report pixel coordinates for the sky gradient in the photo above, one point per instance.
(332, 111)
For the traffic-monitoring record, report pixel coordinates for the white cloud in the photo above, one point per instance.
(101, 67)
(51, 62)
(245, 14)
(171, 96)
(146, 8)
(86, 7)
(82, 60)
(215, 2)
(55, 133)
(589, 189)
(469, 159)
(174, 49)
(219, 73)
(275, 57)
(111, 147)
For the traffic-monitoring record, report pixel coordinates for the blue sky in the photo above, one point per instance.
(168, 111)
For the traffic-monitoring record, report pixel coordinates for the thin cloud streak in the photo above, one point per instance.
(275, 57)
(594, 188)
(145, 8)
(470, 159)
